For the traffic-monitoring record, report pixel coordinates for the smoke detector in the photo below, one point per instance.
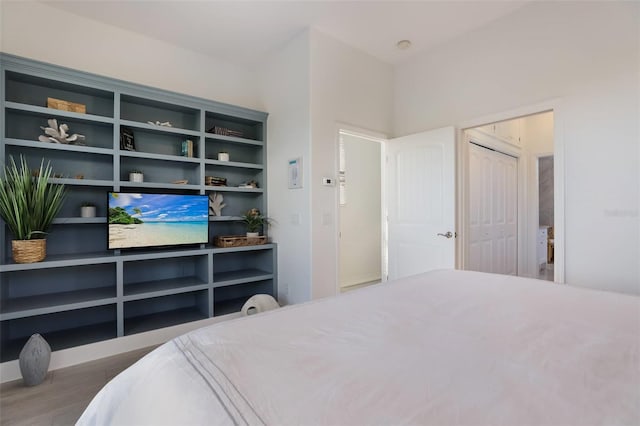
(403, 44)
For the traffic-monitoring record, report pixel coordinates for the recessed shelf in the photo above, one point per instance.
(162, 319)
(159, 129)
(232, 189)
(135, 291)
(234, 164)
(63, 339)
(62, 260)
(82, 182)
(50, 113)
(56, 302)
(232, 139)
(224, 218)
(219, 250)
(159, 185)
(164, 157)
(58, 146)
(228, 306)
(78, 220)
(221, 279)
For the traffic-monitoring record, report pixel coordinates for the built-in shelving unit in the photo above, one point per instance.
(82, 292)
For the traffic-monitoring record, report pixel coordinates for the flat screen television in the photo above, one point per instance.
(154, 220)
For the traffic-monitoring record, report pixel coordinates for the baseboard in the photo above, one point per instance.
(10, 370)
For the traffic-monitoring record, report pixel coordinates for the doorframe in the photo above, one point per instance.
(381, 138)
(557, 106)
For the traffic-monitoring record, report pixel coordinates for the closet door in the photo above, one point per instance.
(493, 202)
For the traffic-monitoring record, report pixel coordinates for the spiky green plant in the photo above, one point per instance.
(28, 204)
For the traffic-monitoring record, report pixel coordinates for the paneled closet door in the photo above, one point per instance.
(493, 207)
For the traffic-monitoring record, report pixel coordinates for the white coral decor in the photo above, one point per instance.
(56, 134)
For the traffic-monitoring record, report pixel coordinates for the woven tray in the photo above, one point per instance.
(238, 241)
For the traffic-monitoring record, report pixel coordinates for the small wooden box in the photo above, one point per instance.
(238, 241)
(66, 105)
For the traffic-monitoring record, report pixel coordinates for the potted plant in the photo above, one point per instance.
(254, 221)
(28, 205)
(88, 210)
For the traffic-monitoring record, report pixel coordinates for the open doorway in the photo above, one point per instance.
(545, 241)
(502, 193)
(362, 254)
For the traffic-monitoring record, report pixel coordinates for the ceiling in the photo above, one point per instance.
(245, 32)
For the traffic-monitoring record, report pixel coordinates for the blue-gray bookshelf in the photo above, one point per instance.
(82, 292)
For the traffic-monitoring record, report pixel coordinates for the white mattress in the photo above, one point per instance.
(442, 348)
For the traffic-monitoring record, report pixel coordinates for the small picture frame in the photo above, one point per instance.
(127, 142)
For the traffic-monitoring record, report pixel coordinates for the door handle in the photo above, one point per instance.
(449, 234)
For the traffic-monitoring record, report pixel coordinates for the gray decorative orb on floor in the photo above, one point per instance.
(34, 360)
(259, 303)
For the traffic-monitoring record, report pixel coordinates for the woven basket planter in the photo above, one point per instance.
(29, 251)
(238, 241)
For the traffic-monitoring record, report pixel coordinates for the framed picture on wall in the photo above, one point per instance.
(126, 139)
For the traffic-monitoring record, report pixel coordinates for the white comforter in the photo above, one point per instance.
(442, 348)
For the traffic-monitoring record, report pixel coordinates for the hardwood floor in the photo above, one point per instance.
(65, 393)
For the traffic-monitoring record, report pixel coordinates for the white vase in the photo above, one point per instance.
(253, 234)
(88, 211)
(136, 177)
(223, 156)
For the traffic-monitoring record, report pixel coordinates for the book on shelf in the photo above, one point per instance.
(187, 148)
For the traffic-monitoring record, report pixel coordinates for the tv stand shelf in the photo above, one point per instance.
(83, 293)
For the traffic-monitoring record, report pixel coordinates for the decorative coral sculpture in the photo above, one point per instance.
(216, 203)
(56, 134)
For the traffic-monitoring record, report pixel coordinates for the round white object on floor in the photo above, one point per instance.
(259, 303)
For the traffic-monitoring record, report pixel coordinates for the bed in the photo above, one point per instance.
(441, 348)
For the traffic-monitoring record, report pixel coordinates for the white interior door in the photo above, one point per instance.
(493, 211)
(421, 202)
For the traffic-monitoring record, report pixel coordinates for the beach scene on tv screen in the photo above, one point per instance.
(146, 220)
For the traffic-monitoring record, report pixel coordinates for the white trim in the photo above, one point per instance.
(555, 105)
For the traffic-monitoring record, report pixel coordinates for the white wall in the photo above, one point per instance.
(37, 31)
(286, 95)
(360, 217)
(347, 86)
(585, 53)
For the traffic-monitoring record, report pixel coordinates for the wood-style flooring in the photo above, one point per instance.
(65, 393)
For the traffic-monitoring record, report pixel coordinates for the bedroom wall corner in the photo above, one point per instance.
(284, 81)
(106, 50)
(349, 87)
(592, 66)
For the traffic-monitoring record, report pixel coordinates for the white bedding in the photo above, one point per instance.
(442, 348)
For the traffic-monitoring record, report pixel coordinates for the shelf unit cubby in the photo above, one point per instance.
(84, 293)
